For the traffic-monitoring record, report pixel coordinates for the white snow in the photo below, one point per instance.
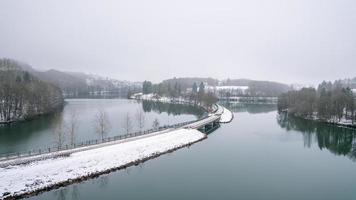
(229, 88)
(20, 179)
(226, 115)
(354, 91)
(243, 88)
(157, 98)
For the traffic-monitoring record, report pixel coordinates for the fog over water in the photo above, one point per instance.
(291, 41)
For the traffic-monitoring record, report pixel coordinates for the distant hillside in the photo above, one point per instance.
(235, 82)
(187, 82)
(68, 83)
(258, 88)
(255, 88)
(77, 84)
(24, 96)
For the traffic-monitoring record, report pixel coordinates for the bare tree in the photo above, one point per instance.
(155, 124)
(140, 118)
(72, 126)
(59, 134)
(127, 123)
(102, 123)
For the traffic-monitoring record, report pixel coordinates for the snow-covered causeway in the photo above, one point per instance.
(226, 115)
(23, 179)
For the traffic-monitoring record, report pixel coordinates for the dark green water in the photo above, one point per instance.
(39, 133)
(257, 156)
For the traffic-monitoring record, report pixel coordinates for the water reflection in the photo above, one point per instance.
(75, 192)
(72, 192)
(171, 109)
(250, 108)
(61, 193)
(12, 135)
(338, 140)
(103, 181)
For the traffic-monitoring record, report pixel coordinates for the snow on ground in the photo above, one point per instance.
(226, 115)
(157, 98)
(229, 87)
(154, 97)
(334, 120)
(21, 179)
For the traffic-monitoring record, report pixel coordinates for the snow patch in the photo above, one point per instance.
(226, 115)
(22, 179)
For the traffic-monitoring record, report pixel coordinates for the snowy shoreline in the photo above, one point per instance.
(226, 116)
(338, 124)
(342, 123)
(26, 180)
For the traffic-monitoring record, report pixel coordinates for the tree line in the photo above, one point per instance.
(65, 131)
(329, 102)
(23, 96)
(196, 93)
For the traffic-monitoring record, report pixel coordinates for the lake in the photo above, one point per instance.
(259, 155)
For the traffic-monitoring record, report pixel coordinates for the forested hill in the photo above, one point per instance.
(255, 87)
(259, 88)
(24, 96)
(76, 83)
(187, 82)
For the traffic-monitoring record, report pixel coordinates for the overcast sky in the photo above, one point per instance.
(292, 41)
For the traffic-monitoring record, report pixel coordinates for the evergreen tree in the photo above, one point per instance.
(201, 92)
(195, 88)
(201, 88)
(147, 87)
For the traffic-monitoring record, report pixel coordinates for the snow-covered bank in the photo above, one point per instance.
(342, 122)
(41, 175)
(163, 99)
(226, 115)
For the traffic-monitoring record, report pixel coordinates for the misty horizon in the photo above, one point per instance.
(158, 81)
(289, 42)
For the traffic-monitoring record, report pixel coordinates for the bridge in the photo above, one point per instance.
(206, 125)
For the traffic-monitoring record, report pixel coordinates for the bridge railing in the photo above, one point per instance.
(46, 150)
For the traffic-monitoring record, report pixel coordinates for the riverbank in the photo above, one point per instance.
(26, 180)
(34, 117)
(342, 123)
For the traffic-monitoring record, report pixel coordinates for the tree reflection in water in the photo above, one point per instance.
(249, 108)
(338, 140)
(171, 109)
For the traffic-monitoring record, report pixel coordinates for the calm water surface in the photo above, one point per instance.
(260, 155)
